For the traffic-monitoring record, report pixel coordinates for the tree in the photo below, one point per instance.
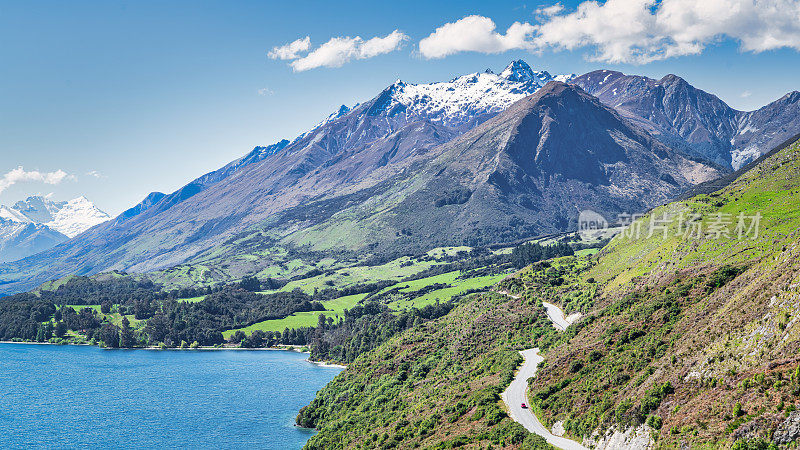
(45, 332)
(141, 310)
(126, 336)
(87, 319)
(61, 329)
(157, 329)
(238, 337)
(250, 284)
(109, 335)
(105, 307)
(70, 318)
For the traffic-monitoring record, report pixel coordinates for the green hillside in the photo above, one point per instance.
(694, 335)
(713, 316)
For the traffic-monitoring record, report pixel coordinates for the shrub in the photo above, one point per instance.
(655, 422)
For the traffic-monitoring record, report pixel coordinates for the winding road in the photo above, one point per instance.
(516, 393)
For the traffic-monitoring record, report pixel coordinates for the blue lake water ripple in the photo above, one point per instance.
(86, 397)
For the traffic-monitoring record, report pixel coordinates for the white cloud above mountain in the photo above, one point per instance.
(337, 51)
(475, 34)
(19, 175)
(630, 31)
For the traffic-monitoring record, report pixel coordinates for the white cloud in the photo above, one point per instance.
(550, 10)
(641, 31)
(630, 31)
(475, 34)
(340, 50)
(265, 91)
(291, 50)
(746, 94)
(96, 174)
(20, 175)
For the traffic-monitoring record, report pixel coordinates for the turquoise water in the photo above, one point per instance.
(80, 397)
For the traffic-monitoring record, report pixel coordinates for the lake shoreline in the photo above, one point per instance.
(294, 349)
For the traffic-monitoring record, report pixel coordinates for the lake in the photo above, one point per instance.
(81, 396)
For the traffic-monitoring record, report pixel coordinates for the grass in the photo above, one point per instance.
(192, 299)
(444, 294)
(771, 189)
(394, 270)
(333, 308)
(587, 252)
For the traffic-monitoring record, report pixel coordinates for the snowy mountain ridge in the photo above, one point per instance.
(461, 102)
(69, 218)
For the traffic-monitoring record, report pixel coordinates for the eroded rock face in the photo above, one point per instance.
(639, 438)
(789, 430)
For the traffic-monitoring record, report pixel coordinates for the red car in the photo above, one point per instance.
(524, 406)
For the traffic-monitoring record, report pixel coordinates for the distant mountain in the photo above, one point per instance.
(368, 180)
(686, 117)
(21, 239)
(70, 218)
(37, 224)
(351, 150)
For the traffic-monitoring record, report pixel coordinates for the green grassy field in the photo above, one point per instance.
(333, 308)
(394, 270)
(444, 294)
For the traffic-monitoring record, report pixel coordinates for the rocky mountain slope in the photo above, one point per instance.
(682, 115)
(37, 224)
(527, 171)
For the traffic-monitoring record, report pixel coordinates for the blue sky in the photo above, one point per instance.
(131, 97)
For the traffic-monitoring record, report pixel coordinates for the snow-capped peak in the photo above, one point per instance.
(77, 216)
(461, 100)
(70, 218)
(519, 70)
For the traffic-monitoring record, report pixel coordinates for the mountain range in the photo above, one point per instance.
(696, 121)
(483, 158)
(38, 223)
